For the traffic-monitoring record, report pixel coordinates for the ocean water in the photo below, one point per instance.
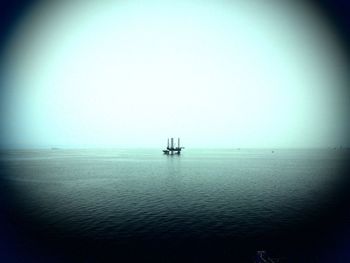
(201, 205)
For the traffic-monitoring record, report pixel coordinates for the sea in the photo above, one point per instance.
(205, 205)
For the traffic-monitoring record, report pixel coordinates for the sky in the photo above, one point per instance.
(133, 73)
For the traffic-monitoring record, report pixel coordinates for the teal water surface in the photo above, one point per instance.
(129, 193)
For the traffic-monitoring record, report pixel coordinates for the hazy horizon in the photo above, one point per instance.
(186, 148)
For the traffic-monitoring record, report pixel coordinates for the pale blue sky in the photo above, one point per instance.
(216, 74)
